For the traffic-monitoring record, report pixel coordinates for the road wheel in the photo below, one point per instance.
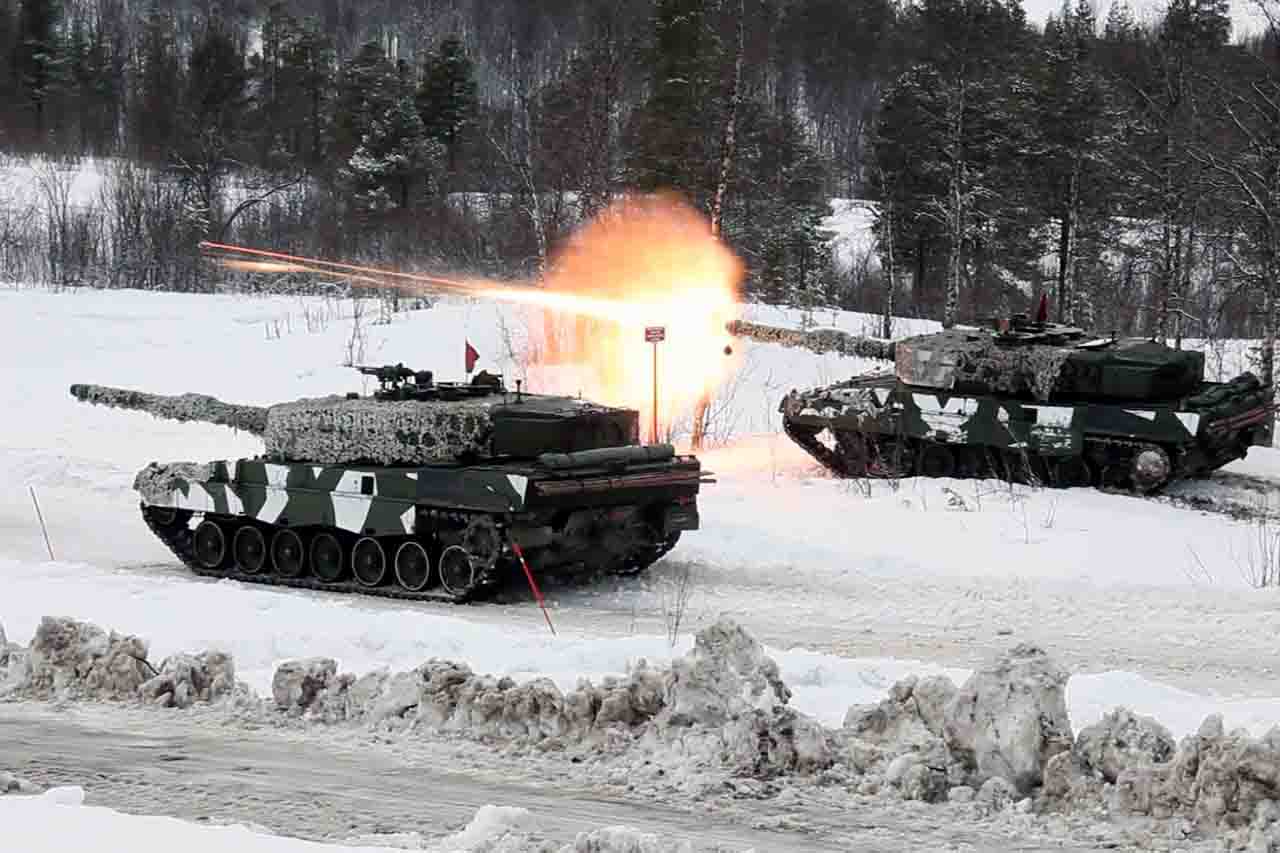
(413, 566)
(1150, 468)
(210, 544)
(369, 562)
(457, 573)
(288, 555)
(250, 549)
(326, 557)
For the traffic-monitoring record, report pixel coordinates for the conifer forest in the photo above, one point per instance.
(1127, 165)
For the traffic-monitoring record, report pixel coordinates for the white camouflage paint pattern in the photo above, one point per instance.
(948, 419)
(350, 512)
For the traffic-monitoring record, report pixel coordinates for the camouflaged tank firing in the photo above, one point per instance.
(1032, 401)
(422, 490)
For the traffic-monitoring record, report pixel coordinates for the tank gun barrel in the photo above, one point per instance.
(182, 407)
(817, 340)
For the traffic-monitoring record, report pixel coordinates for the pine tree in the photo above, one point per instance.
(213, 110)
(673, 138)
(311, 62)
(962, 112)
(446, 100)
(391, 159)
(1076, 138)
(1241, 155)
(294, 74)
(776, 211)
(38, 60)
(153, 118)
(1187, 43)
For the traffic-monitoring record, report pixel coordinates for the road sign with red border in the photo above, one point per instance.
(655, 334)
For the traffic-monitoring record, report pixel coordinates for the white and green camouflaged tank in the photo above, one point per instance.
(1034, 401)
(422, 490)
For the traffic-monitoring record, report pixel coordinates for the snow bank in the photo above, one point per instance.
(70, 659)
(720, 715)
(58, 821)
(721, 706)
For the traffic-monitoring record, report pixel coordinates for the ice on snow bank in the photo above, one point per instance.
(58, 821)
(69, 659)
(724, 702)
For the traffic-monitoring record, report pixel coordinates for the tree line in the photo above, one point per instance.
(1131, 170)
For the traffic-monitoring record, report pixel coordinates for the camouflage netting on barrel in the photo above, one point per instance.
(976, 363)
(180, 407)
(817, 340)
(339, 431)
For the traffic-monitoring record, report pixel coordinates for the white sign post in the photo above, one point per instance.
(655, 335)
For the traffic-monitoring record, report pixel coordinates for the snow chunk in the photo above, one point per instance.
(913, 713)
(1120, 740)
(186, 679)
(1010, 718)
(72, 658)
(623, 839)
(725, 675)
(728, 687)
(66, 795)
(491, 824)
(298, 683)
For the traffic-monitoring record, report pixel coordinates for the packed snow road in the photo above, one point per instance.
(309, 784)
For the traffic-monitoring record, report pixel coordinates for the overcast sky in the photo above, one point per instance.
(1243, 13)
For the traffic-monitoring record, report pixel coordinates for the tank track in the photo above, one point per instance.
(990, 462)
(178, 537)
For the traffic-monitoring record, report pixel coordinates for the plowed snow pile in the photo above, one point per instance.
(723, 705)
(68, 659)
(1001, 739)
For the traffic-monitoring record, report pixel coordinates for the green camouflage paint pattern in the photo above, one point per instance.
(880, 405)
(365, 500)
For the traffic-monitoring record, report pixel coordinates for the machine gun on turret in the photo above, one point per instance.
(397, 382)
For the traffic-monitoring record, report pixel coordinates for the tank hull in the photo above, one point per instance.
(616, 510)
(881, 427)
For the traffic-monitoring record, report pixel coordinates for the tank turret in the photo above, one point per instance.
(1026, 400)
(410, 420)
(420, 490)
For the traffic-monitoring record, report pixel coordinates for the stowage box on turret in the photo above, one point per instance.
(1030, 401)
(421, 490)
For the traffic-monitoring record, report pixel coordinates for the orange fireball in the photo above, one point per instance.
(646, 261)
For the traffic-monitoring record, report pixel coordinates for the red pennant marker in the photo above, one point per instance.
(472, 357)
(537, 593)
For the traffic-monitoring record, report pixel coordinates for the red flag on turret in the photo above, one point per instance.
(472, 357)
(1042, 313)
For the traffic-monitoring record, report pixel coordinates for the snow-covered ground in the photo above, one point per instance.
(1147, 602)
